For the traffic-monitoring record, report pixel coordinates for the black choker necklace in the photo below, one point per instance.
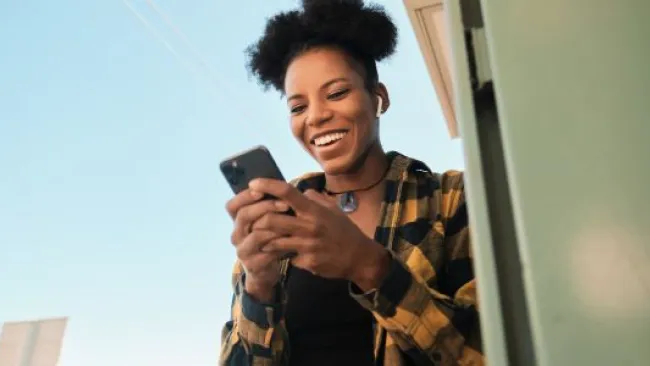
(347, 201)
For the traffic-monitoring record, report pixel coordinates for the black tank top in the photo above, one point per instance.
(326, 326)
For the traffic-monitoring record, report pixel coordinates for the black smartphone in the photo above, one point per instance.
(251, 164)
(254, 163)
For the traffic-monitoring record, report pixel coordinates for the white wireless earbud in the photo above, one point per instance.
(380, 106)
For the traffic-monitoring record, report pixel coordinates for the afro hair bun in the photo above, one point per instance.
(365, 31)
(309, 5)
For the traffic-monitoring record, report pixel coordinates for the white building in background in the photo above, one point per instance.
(32, 343)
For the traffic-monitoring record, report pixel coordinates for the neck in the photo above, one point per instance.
(369, 169)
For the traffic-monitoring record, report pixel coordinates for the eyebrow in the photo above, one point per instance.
(328, 83)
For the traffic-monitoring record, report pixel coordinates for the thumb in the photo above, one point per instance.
(322, 199)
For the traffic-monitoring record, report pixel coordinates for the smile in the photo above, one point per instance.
(329, 139)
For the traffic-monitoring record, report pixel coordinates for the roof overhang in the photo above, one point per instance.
(429, 23)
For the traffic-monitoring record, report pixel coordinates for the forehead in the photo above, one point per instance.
(319, 65)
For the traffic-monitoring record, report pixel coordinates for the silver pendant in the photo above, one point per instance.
(347, 202)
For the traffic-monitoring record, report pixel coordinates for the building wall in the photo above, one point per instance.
(32, 343)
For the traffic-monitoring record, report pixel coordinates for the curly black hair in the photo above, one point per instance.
(364, 32)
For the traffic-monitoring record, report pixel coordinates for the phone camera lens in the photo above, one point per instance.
(234, 173)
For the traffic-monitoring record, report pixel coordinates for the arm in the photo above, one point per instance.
(427, 302)
(255, 334)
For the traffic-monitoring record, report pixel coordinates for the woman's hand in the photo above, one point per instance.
(262, 268)
(327, 242)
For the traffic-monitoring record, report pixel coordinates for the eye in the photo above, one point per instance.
(297, 109)
(338, 94)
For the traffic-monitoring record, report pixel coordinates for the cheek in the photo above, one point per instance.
(360, 112)
(364, 121)
(298, 130)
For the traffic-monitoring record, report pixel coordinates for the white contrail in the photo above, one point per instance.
(193, 70)
(202, 60)
(207, 74)
(159, 37)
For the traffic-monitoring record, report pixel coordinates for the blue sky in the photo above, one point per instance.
(111, 204)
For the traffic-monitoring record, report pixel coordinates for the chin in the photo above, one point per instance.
(337, 166)
(334, 169)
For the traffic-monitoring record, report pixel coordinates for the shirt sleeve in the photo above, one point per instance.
(255, 333)
(432, 320)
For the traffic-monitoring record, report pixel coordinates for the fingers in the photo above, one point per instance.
(253, 243)
(242, 199)
(286, 225)
(322, 199)
(283, 191)
(288, 244)
(261, 267)
(306, 251)
(246, 216)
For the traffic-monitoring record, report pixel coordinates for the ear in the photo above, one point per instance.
(380, 106)
(383, 100)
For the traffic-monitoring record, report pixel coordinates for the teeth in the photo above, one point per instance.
(324, 140)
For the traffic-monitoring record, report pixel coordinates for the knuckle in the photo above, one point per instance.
(313, 228)
(309, 193)
(254, 236)
(285, 190)
(257, 236)
(311, 261)
(244, 213)
(266, 221)
(241, 254)
(238, 203)
(261, 223)
(230, 207)
(267, 206)
(239, 224)
(312, 245)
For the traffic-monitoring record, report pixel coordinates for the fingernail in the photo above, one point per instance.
(281, 206)
(253, 183)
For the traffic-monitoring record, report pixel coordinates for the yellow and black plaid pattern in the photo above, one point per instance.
(425, 310)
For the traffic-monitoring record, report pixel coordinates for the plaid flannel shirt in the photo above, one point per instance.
(425, 310)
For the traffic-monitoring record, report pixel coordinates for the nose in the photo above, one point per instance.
(318, 113)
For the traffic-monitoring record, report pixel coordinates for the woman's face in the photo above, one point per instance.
(333, 115)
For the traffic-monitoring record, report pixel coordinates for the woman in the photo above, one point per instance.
(382, 271)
